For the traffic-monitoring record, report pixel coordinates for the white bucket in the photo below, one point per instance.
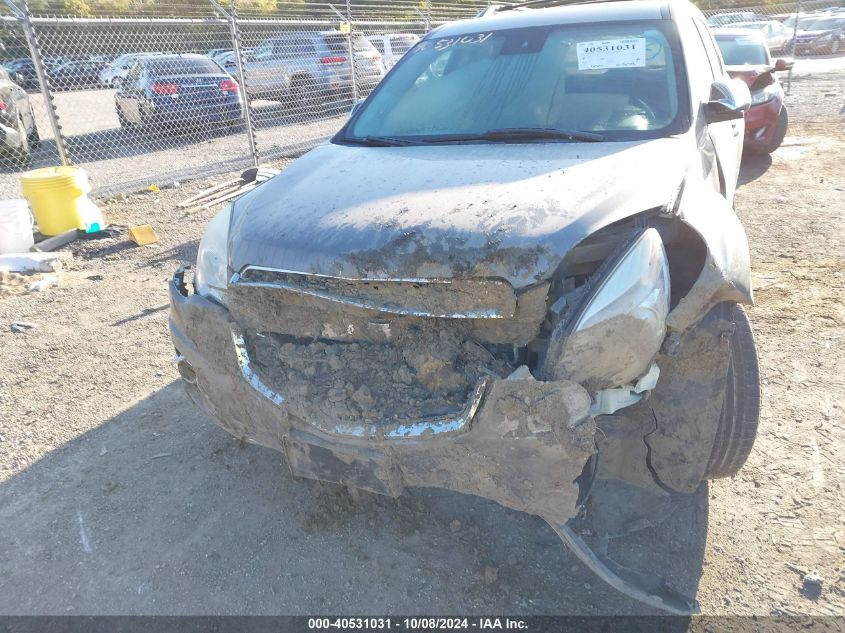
(16, 224)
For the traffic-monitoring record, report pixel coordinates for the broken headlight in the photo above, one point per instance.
(612, 337)
(212, 257)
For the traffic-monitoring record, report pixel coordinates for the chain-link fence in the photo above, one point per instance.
(151, 100)
(199, 88)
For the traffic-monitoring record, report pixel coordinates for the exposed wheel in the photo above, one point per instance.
(741, 409)
(780, 132)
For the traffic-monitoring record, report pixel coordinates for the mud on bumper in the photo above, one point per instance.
(516, 441)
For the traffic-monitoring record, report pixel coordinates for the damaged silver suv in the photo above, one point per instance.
(515, 272)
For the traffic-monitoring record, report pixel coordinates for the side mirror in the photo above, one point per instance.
(728, 101)
(784, 63)
(355, 107)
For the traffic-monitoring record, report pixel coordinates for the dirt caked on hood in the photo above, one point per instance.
(492, 210)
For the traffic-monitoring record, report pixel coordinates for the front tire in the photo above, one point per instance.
(741, 409)
(780, 133)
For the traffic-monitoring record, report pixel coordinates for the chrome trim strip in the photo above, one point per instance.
(426, 428)
(491, 313)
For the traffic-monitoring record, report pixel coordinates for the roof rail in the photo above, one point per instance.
(541, 4)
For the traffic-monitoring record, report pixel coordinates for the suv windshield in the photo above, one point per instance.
(742, 51)
(611, 80)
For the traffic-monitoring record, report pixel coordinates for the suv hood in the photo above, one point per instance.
(481, 210)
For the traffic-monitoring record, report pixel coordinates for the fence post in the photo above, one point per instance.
(25, 18)
(351, 54)
(232, 18)
(792, 47)
(427, 15)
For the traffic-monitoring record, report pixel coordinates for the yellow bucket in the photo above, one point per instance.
(58, 197)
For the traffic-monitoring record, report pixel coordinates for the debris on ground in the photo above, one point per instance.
(22, 326)
(229, 189)
(143, 235)
(812, 585)
(35, 262)
(44, 283)
(57, 241)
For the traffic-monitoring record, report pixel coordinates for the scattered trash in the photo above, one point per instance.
(23, 326)
(154, 188)
(225, 191)
(43, 284)
(812, 585)
(103, 451)
(143, 235)
(34, 262)
(160, 455)
(491, 575)
(58, 241)
(16, 224)
(455, 525)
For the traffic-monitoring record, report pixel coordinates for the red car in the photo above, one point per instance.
(747, 57)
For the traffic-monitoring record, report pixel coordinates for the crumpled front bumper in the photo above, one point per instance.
(519, 442)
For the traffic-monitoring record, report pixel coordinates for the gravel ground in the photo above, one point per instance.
(117, 496)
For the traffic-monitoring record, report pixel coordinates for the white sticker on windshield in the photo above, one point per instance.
(603, 54)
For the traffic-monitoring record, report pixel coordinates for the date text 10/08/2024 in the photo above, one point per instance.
(417, 624)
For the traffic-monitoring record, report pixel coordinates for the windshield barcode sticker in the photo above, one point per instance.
(603, 54)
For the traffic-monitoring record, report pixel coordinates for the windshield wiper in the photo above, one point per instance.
(519, 134)
(380, 141)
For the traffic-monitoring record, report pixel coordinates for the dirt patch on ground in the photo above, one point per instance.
(116, 495)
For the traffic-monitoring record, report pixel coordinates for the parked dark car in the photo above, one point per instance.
(178, 90)
(26, 69)
(18, 132)
(76, 75)
(747, 58)
(825, 34)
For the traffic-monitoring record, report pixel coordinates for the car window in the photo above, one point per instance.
(134, 72)
(301, 46)
(338, 44)
(605, 77)
(710, 49)
(183, 66)
(401, 44)
(264, 51)
(742, 51)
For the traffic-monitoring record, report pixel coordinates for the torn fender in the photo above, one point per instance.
(726, 275)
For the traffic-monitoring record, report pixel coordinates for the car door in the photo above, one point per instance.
(727, 136)
(267, 75)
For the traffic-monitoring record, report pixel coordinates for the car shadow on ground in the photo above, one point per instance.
(158, 511)
(753, 166)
